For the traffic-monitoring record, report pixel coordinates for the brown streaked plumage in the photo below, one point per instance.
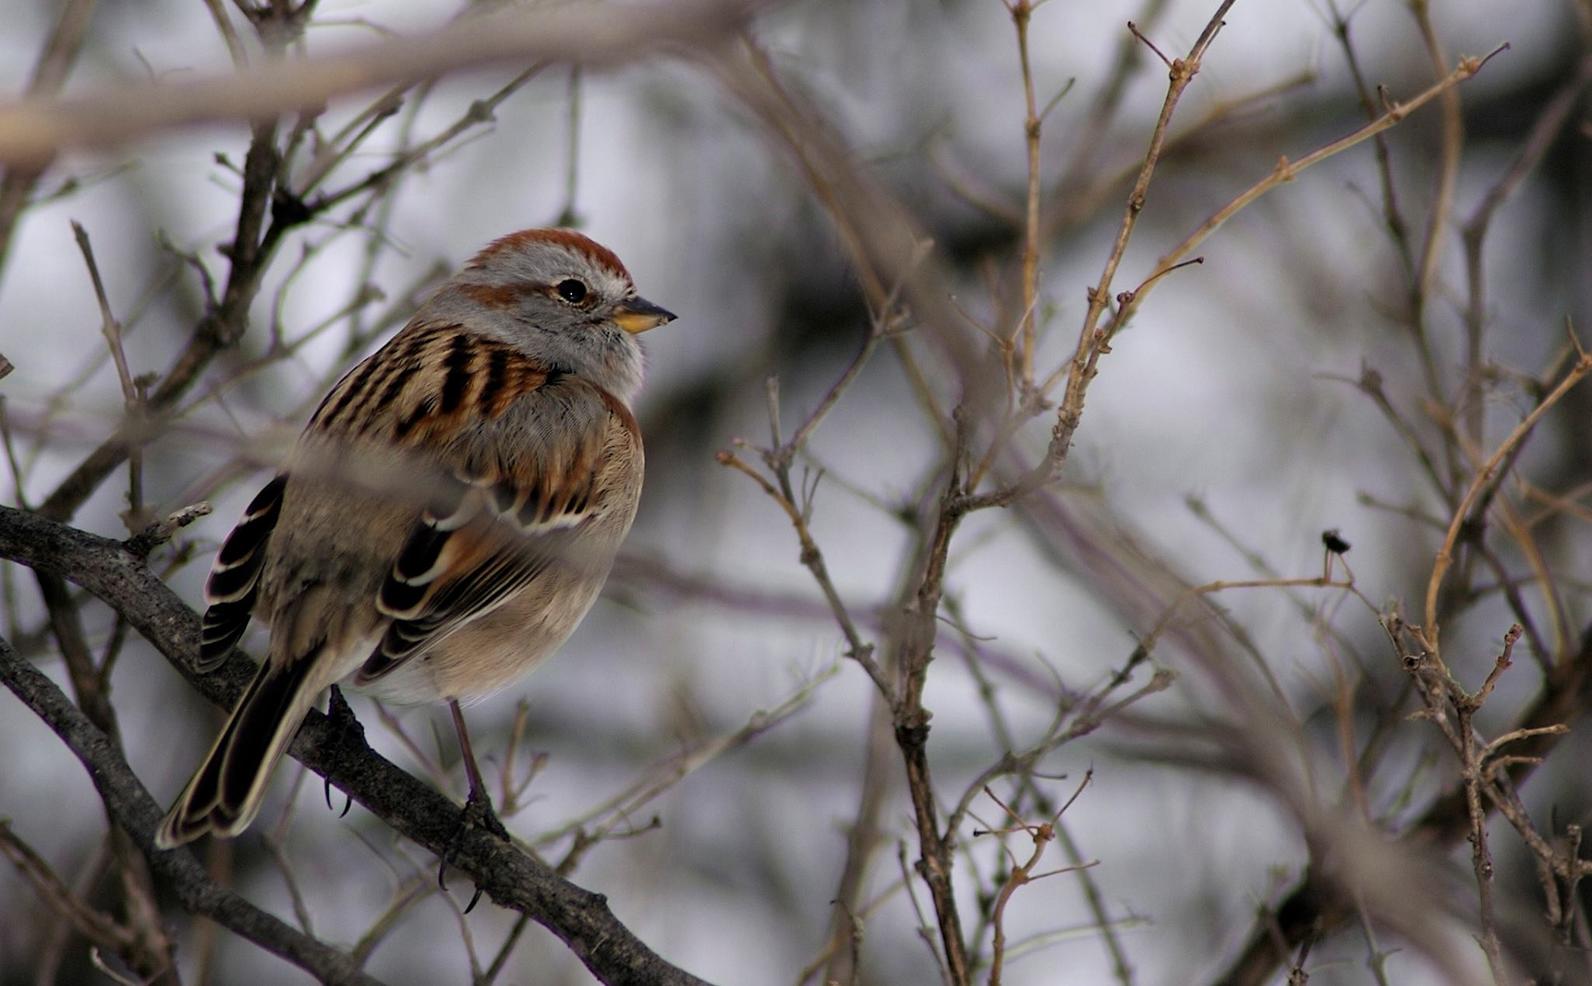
(448, 516)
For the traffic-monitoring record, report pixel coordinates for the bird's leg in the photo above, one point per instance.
(345, 725)
(478, 811)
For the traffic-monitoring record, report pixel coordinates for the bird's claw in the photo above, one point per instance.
(477, 813)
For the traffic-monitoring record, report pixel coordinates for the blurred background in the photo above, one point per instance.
(1230, 425)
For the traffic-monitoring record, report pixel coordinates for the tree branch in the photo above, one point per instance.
(1315, 907)
(508, 875)
(131, 806)
(34, 130)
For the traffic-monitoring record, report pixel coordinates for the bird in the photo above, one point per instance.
(446, 518)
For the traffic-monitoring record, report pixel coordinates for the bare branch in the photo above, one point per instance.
(34, 130)
(1482, 479)
(510, 877)
(136, 812)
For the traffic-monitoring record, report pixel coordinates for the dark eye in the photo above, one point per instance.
(572, 291)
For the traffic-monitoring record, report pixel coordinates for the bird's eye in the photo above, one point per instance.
(572, 291)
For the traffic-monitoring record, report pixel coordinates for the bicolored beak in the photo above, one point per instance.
(637, 315)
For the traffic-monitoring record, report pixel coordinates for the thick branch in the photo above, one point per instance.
(34, 130)
(509, 876)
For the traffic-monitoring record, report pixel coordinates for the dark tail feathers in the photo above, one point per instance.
(226, 791)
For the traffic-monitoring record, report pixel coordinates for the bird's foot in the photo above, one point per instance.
(477, 814)
(344, 726)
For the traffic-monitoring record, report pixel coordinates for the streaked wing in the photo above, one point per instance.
(234, 580)
(458, 567)
(510, 499)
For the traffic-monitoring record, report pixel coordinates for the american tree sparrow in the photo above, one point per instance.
(446, 518)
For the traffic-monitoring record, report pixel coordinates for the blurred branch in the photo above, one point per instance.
(67, 905)
(1105, 107)
(34, 130)
(653, 575)
(136, 813)
(880, 235)
(60, 50)
(1286, 170)
(1074, 208)
(813, 558)
(509, 876)
(1392, 216)
(1485, 475)
(1317, 905)
(1120, 966)
(268, 209)
(478, 113)
(253, 245)
(1022, 12)
(1090, 714)
(840, 957)
(1453, 142)
(659, 777)
(1550, 123)
(147, 949)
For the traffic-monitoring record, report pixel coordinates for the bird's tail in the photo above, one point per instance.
(226, 791)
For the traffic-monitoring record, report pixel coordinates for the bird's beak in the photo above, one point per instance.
(637, 315)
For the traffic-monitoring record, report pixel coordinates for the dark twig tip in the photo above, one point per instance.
(1334, 542)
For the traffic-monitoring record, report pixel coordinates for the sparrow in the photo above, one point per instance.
(446, 518)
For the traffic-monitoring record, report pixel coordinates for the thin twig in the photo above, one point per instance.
(1483, 477)
(812, 557)
(1022, 12)
(1550, 123)
(1286, 171)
